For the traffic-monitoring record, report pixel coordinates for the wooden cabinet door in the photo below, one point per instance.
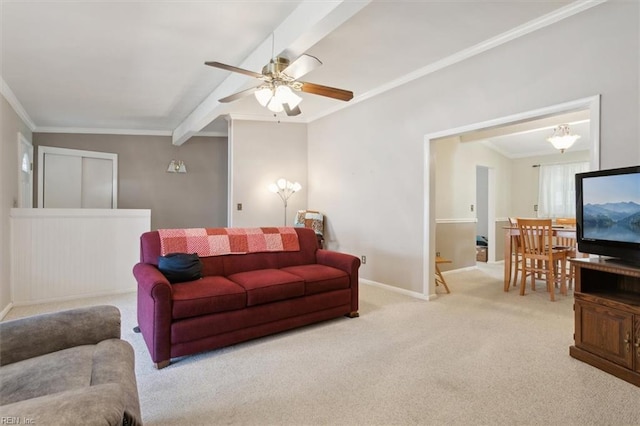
(636, 344)
(605, 332)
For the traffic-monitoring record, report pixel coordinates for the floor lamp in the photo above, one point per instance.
(285, 190)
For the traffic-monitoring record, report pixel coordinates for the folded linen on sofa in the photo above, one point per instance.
(220, 241)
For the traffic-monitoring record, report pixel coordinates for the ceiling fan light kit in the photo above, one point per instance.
(279, 77)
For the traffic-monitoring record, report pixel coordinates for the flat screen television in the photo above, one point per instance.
(608, 213)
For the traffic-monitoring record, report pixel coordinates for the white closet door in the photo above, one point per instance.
(70, 178)
(62, 181)
(97, 180)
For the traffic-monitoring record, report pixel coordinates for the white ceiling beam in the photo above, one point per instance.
(309, 23)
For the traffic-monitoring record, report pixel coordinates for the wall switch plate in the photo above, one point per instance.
(239, 206)
(535, 207)
(363, 259)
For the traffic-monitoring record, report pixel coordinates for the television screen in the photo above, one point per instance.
(611, 208)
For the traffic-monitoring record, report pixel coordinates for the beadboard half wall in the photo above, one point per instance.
(63, 254)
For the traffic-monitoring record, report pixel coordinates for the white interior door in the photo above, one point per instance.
(69, 178)
(25, 167)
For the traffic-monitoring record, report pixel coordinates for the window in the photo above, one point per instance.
(556, 189)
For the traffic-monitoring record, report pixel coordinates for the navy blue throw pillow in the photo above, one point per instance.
(180, 267)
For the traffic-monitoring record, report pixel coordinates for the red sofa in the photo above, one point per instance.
(241, 296)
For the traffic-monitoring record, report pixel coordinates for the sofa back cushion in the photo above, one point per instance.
(233, 263)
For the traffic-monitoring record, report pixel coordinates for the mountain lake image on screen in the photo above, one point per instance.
(611, 208)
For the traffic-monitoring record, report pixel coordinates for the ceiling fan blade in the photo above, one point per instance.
(301, 66)
(238, 95)
(234, 69)
(330, 92)
(291, 112)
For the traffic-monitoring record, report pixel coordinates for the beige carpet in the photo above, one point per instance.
(476, 356)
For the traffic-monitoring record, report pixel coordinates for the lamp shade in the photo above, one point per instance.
(264, 96)
(275, 105)
(562, 138)
(285, 95)
(177, 166)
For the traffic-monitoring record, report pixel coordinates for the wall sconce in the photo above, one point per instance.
(562, 138)
(285, 190)
(177, 166)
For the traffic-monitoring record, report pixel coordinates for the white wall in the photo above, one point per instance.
(11, 124)
(456, 164)
(367, 162)
(260, 153)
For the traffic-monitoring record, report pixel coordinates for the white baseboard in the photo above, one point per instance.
(74, 297)
(6, 310)
(409, 293)
(453, 271)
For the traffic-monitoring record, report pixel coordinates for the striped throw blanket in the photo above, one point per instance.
(219, 241)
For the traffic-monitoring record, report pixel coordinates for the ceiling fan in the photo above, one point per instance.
(280, 81)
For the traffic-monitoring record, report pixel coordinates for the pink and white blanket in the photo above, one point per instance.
(220, 241)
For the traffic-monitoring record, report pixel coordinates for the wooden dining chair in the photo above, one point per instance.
(539, 257)
(516, 252)
(566, 221)
(570, 245)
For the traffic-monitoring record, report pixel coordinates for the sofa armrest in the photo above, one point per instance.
(150, 279)
(342, 261)
(29, 337)
(346, 263)
(154, 310)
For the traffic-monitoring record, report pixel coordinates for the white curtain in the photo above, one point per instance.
(557, 189)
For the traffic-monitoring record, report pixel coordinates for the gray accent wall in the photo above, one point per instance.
(195, 199)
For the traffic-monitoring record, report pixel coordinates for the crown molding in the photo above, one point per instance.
(11, 98)
(493, 42)
(103, 131)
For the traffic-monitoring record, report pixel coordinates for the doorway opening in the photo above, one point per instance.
(591, 104)
(25, 170)
(485, 215)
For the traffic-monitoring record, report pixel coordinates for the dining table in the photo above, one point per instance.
(512, 231)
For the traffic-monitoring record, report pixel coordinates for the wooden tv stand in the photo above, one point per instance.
(607, 317)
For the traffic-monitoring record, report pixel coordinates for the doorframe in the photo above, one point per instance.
(42, 150)
(591, 103)
(26, 143)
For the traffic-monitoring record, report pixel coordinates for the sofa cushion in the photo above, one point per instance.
(320, 278)
(269, 285)
(206, 296)
(46, 374)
